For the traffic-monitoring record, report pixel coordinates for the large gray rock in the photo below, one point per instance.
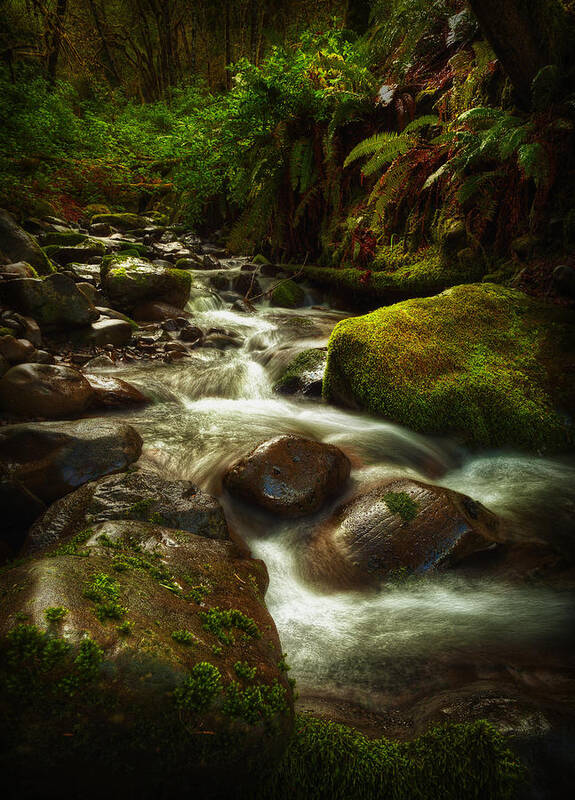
(289, 475)
(142, 496)
(44, 390)
(54, 302)
(17, 245)
(147, 665)
(51, 459)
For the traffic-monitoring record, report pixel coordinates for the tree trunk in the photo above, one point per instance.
(56, 39)
(228, 55)
(526, 36)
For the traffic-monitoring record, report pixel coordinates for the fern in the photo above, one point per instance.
(387, 146)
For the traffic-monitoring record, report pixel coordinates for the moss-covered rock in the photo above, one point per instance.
(304, 374)
(288, 294)
(81, 252)
(118, 657)
(480, 362)
(130, 281)
(17, 245)
(123, 221)
(54, 302)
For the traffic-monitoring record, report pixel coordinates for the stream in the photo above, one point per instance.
(408, 651)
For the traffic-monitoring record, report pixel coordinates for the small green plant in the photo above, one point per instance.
(197, 593)
(104, 592)
(125, 628)
(255, 703)
(73, 546)
(217, 650)
(243, 670)
(184, 637)
(402, 504)
(283, 666)
(200, 688)
(221, 621)
(55, 613)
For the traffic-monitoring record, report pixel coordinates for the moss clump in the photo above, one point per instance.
(244, 671)
(73, 546)
(326, 761)
(481, 362)
(220, 622)
(259, 703)
(55, 613)
(288, 294)
(104, 592)
(402, 504)
(186, 638)
(124, 221)
(305, 367)
(200, 688)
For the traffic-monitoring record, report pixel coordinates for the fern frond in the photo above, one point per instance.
(397, 147)
(422, 122)
(370, 146)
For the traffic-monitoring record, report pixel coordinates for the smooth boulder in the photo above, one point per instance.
(143, 496)
(51, 459)
(111, 392)
(289, 475)
(16, 245)
(44, 390)
(130, 282)
(396, 529)
(54, 302)
(304, 374)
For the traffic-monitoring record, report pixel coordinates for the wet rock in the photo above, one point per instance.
(16, 351)
(242, 307)
(76, 254)
(51, 459)
(195, 262)
(100, 362)
(87, 272)
(52, 302)
(220, 341)
(22, 327)
(43, 390)
(398, 528)
(246, 284)
(110, 392)
(289, 475)
(288, 294)
(130, 282)
(175, 347)
(156, 312)
(211, 262)
(16, 245)
(90, 291)
(304, 374)
(143, 496)
(19, 270)
(101, 229)
(108, 331)
(136, 671)
(191, 333)
(123, 222)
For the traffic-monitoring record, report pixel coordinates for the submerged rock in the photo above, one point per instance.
(139, 658)
(44, 390)
(289, 475)
(51, 459)
(142, 496)
(396, 529)
(288, 294)
(480, 362)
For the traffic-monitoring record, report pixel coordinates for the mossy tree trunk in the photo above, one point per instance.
(526, 36)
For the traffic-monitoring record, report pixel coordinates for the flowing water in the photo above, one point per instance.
(377, 648)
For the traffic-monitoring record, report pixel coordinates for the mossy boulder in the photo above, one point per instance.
(485, 364)
(54, 302)
(140, 658)
(63, 238)
(16, 245)
(123, 221)
(130, 281)
(288, 294)
(304, 374)
(80, 253)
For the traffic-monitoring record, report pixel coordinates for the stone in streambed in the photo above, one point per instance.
(395, 529)
(304, 374)
(110, 392)
(51, 459)
(54, 302)
(19, 270)
(143, 496)
(44, 390)
(288, 294)
(130, 282)
(116, 332)
(289, 475)
(22, 327)
(156, 312)
(123, 222)
(78, 253)
(16, 245)
(145, 678)
(16, 351)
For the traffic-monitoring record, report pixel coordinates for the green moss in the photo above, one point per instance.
(63, 238)
(55, 613)
(184, 637)
(259, 703)
(480, 362)
(243, 670)
(327, 761)
(73, 546)
(125, 628)
(309, 364)
(124, 221)
(220, 622)
(402, 504)
(288, 294)
(104, 592)
(197, 593)
(200, 688)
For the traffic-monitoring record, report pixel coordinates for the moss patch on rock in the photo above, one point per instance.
(480, 362)
(288, 294)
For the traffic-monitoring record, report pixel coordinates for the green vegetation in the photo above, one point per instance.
(73, 546)
(104, 592)
(243, 670)
(402, 504)
(186, 638)
(55, 613)
(220, 622)
(287, 294)
(200, 688)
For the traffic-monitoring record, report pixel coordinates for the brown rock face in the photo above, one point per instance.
(156, 312)
(112, 392)
(142, 496)
(51, 459)
(15, 350)
(289, 475)
(396, 528)
(44, 390)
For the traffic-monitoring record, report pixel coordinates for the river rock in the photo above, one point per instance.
(16, 245)
(288, 294)
(395, 529)
(130, 282)
(123, 222)
(19, 270)
(143, 496)
(44, 390)
(78, 254)
(289, 475)
(51, 459)
(156, 312)
(16, 351)
(136, 633)
(110, 392)
(117, 332)
(246, 284)
(52, 302)
(304, 374)
(22, 327)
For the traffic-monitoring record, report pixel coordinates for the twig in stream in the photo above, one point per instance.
(250, 302)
